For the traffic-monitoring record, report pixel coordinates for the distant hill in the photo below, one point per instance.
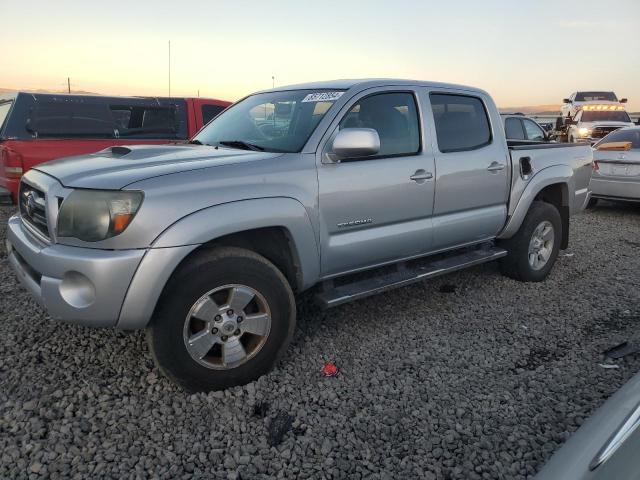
(44, 90)
(533, 109)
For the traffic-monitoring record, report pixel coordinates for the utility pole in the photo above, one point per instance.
(169, 68)
(273, 81)
(68, 85)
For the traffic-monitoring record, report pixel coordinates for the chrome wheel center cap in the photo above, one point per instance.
(229, 327)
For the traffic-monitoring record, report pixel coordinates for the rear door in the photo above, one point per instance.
(472, 169)
(378, 209)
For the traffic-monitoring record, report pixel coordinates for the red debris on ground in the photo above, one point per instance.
(329, 370)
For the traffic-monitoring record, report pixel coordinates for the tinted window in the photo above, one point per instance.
(605, 116)
(513, 129)
(394, 116)
(461, 122)
(534, 132)
(70, 119)
(594, 96)
(631, 135)
(4, 111)
(144, 120)
(209, 112)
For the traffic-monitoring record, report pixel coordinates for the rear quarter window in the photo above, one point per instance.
(461, 122)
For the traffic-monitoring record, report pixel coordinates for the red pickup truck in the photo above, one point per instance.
(37, 127)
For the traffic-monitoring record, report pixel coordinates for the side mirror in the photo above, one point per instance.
(566, 100)
(569, 121)
(356, 143)
(623, 100)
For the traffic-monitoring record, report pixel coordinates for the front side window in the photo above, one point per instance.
(209, 112)
(461, 122)
(271, 121)
(394, 116)
(513, 129)
(534, 132)
(4, 111)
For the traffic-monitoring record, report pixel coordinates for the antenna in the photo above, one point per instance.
(169, 68)
(68, 85)
(273, 81)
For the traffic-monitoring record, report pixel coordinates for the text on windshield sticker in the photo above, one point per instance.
(322, 97)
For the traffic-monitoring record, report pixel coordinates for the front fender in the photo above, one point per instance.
(172, 246)
(557, 174)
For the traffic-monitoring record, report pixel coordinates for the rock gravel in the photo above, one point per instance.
(470, 376)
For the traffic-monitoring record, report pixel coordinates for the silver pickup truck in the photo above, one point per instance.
(349, 187)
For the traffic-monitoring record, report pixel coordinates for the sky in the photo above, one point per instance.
(524, 52)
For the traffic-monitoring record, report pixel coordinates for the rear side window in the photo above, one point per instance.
(70, 119)
(394, 116)
(631, 135)
(209, 112)
(461, 122)
(513, 128)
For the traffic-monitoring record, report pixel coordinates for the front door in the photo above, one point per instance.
(378, 209)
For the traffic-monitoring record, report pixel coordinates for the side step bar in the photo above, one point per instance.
(406, 275)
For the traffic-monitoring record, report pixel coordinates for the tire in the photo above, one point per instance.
(518, 262)
(197, 303)
(592, 203)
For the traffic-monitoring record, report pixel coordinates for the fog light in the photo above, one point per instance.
(77, 290)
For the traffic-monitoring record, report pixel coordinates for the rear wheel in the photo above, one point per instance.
(223, 320)
(592, 203)
(533, 250)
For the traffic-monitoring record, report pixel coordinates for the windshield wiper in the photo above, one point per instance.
(196, 142)
(241, 144)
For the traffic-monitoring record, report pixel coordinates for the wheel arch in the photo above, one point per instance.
(277, 228)
(552, 185)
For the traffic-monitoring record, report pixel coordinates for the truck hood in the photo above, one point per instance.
(117, 167)
(605, 124)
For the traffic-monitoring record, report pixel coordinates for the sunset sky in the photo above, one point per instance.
(523, 52)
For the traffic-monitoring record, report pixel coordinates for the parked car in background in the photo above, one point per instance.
(304, 186)
(519, 127)
(616, 171)
(38, 127)
(606, 446)
(594, 122)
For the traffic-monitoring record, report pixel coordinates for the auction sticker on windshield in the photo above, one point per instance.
(322, 97)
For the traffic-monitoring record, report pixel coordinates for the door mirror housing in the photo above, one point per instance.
(623, 100)
(355, 143)
(566, 100)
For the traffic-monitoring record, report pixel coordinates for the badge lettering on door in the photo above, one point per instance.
(355, 223)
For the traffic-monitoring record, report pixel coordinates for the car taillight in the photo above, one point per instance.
(11, 163)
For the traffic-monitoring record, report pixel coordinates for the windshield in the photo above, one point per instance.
(596, 96)
(271, 121)
(626, 135)
(605, 116)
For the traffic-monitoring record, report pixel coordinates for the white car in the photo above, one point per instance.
(593, 122)
(577, 100)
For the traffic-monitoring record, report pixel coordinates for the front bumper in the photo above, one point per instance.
(79, 285)
(615, 188)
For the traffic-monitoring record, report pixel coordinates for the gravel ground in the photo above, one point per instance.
(469, 376)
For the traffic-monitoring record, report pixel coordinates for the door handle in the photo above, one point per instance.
(421, 175)
(495, 167)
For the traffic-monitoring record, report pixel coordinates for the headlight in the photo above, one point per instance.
(584, 132)
(94, 215)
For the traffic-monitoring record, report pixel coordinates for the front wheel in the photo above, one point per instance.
(533, 250)
(223, 320)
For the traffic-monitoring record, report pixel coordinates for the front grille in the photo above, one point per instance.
(599, 132)
(33, 208)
